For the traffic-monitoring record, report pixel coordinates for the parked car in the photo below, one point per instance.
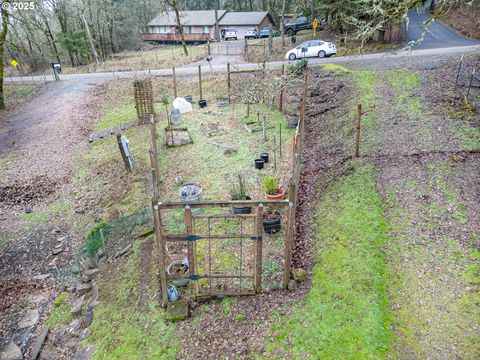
(312, 48)
(230, 33)
(265, 32)
(251, 33)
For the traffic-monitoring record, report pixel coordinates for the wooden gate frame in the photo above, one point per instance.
(189, 237)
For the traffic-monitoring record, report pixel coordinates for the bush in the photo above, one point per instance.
(93, 241)
(296, 69)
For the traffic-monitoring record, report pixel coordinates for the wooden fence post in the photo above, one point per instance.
(200, 80)
(228, 80)
(289, 231)
(357, 130)
(174, 83)
(161, 254)
(280, 103)
(258, 249)
(470, 84)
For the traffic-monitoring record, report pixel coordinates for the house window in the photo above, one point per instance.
(205, 30)
(190, 29)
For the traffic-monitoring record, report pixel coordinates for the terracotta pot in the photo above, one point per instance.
(280, 195)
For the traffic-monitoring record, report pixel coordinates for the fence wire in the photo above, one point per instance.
(468, 80)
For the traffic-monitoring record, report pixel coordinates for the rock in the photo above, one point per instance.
(37, 299)
(42, 277)
(39, 343)
(177, 310)
(60, 336)
(292, 285)
(83, 289)
(28, 211)
(57, 250)
(74, 327)
(299, 275)
(88, 318)
(87, 353)
(85, 333)
(78, 306)
(29, 319)
(79, 211)
(89, 274)
(11, 352)
(60, 299)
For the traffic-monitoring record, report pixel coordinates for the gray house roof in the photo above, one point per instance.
(194, 17)
(243, 18)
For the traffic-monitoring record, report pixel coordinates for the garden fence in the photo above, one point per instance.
(468, 81)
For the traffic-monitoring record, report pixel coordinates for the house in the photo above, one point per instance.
(242, 21)
(199, 25)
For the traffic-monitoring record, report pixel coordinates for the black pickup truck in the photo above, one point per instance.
(302, 23)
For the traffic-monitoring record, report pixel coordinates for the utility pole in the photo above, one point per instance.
(94, 52)
(217, 38)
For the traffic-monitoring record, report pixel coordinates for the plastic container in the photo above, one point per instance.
(179, 282)
(175, 117)
(191, 193)
(264, 156)
(189, 98)
(202, 103)
(259, 163)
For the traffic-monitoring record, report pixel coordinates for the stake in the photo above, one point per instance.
(248, 110)
(103, 244)
(274, 153)
(200, 80)
(289, 230)
(280, 104)
(258, 249)
(161, 255)
(264, 128)
(228, 81)
(357, 130)
(459, 69)
(174, 83)
(280, 138)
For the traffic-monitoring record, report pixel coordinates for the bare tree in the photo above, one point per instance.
(174, 5)
(3, 36)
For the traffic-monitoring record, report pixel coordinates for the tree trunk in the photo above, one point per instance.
(174, 5)
(3, 36)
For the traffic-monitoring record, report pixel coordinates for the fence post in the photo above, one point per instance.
(161, 255)
(459, 70)
(200, 80)
(280, 104)
(174, 83)
(289, 229)
(190, 245)
(258, 249)
(228, 81)
(470, 83)
(208, 46)
(357, 130)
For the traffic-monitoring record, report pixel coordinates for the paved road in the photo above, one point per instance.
(435, 35)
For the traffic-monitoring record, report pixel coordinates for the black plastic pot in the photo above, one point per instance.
(202, 103)
(189, 98)
(259, 163)
(243, 210)
(264, 156)
(273, 226)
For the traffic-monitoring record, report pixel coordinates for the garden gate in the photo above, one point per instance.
(223, 249)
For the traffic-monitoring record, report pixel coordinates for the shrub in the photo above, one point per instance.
(237, 190)
(93, 241)
(296, 69)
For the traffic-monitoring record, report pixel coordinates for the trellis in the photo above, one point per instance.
(143, 99)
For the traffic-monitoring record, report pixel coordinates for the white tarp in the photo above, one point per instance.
(183, 105)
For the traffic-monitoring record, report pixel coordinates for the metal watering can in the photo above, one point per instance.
(172, 293)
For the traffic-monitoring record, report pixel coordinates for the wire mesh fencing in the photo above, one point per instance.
(468, 80)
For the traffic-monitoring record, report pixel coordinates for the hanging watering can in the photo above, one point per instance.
(172, 293)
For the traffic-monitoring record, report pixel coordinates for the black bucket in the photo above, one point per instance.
(243, 210)
(259, 163)
(264, 157)
(189, 98)
(272, 227)
(202, 103)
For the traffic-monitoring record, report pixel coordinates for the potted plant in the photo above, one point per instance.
(272, 191)
(272, 221)
(191, 193)
(178, 267)
(237, 192)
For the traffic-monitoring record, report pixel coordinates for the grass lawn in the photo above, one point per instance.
(162, 57)
(17, 93)
(346, 313)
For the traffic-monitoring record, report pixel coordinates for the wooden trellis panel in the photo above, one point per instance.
(143, 99)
